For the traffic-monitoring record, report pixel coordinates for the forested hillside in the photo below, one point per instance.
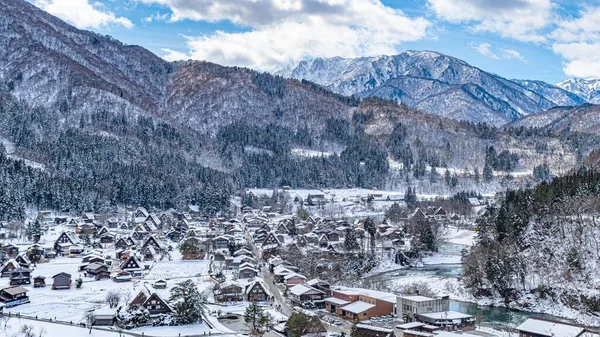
(541, 246)
(114, 124)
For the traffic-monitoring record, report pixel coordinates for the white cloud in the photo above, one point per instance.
(173, 55)
(285, 31)
(156, 17)
(511, 54)
(522, 20)
(82, 14)
(582, 59)
(485, 49)
(577, 41)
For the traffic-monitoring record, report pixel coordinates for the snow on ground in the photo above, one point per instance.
(440, 285)
(462, 237)
(172, 331)
(52, 330)
(178, 269)
(10, 149)
(310, 153)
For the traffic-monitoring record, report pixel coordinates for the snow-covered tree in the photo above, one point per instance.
(187, 302)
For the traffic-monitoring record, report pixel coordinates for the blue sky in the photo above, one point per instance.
(547, 40)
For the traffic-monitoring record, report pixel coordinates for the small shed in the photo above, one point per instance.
(104, 317)
(61, 281)
(160, 284)
(39, 281)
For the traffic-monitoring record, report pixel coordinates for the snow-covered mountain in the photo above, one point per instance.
(436, 83)
(582, 118)
(586, 89)
(46, 62)
(556, 94)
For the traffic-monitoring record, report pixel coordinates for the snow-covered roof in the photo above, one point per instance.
(315, 281)
(418, 333)
(550, 328)
(374, 328)
(335, 300)
(447, 315)
(358, 307)
(105, 313)
(301, 289)
(417, 298)
(294, 275)
(411, 325)
(380, 295)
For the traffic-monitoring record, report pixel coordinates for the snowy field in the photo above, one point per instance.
(178, 270)
(51, 329)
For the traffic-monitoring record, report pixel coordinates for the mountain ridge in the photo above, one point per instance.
(371, 76)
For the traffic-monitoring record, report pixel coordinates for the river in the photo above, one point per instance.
(499, 318)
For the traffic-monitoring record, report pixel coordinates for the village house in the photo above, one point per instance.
(8, 268)
(65, 241)
(20, 276)
(448, 320)
(293, 279)
(11, 251)
(13, 296)
(61, 281)
(324, 286)
(360, 304)
(247, 271)
(97, 270)
(229, 292)
(409, 307)
(132, 265)
(221, 242)
(256, 291)
(121, 276)
(141, 212)
(153, 303)
(539, 327)
(302, 293)
(107, 238)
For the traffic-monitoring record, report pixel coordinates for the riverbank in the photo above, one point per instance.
(443, 280)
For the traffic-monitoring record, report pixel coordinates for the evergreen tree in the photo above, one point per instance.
(488, 172)
(34, 231)
(447, 177)
(369, 227)
(257, 320)
(187, 302)
(350, 241)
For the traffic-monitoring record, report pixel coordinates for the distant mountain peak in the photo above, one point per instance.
(436, 83)
(588, 89)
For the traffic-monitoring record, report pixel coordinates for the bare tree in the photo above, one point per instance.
(113, 298)
(88, 318)
(27, 330)
(4, 319)
(42, 332)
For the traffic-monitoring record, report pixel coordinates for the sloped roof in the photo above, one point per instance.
(550, 328)
(358, 307)
(301, 289)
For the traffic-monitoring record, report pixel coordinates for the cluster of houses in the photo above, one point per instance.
(138, 241)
